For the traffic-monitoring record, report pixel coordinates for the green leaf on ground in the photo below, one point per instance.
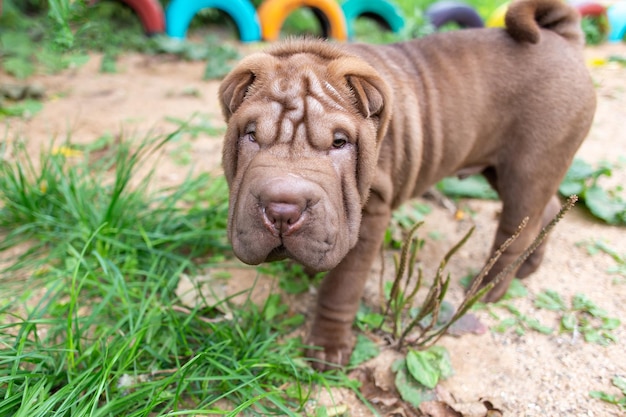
(536, 325)
(611, 209)
(364, 349)
(367, 319)
(420, 365)
(569, 322)
(601, 395)
(410, 390)
(27, 109)
(516, 290)
(429, 366)
(620, 383)
(504, 325)
(474, 186)
(550, 300)
(581, 302)
(582, 179)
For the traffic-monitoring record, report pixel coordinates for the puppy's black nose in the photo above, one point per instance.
(283, 218)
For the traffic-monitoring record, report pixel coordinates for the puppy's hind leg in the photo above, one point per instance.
(522, 196)
(531, 264)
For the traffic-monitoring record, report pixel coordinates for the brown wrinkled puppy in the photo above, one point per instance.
(325, 140)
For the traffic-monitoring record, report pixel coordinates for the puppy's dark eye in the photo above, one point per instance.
(339, 140)
(250, 132)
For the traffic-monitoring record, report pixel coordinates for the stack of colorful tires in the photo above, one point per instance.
(338, 21)
(265, 23)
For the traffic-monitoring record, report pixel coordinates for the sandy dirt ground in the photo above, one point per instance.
(529, 375)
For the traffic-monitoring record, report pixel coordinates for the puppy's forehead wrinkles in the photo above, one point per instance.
(284, 87)
(298, 99)
(334, 94)
(292, 83)
(266, 125)
(324, 93)
(286, 130)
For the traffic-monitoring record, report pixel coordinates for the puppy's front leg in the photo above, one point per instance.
(340, 294)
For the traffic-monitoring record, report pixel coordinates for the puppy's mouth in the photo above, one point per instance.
(278, 253)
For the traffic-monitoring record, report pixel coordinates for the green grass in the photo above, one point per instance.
(65, 205)
(43, 38)
(91, 325)
(50, 36)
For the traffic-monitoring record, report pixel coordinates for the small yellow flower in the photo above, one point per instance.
(43, 186)
(66, 151)
(596, 62)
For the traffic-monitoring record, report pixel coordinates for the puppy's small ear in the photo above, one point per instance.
(238, 83)
(233, 90)
(370, 99)
(373, 99)
(371, 94)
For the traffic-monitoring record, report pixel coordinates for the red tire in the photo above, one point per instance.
(150, 14)
(591, 9)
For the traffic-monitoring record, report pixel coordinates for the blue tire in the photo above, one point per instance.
(463, 15)
(180, 12)
(380, 10)
(617, 22)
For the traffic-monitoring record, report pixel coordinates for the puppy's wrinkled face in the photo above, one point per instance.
(299, 154)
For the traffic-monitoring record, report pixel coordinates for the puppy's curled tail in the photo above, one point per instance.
(525, 19)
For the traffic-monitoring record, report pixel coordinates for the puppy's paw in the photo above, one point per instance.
(496, 293)
(531, 264)
(329, 352)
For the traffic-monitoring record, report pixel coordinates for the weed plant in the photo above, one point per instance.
(416, 330)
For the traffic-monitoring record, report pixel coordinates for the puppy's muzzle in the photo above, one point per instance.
(282, 219)
(284, 202)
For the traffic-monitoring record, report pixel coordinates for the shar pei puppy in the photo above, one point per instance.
(325, 140)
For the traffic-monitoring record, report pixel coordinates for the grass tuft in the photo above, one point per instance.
(61, 205)
(91, 325)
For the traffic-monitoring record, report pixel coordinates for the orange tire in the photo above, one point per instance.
(272, 15)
